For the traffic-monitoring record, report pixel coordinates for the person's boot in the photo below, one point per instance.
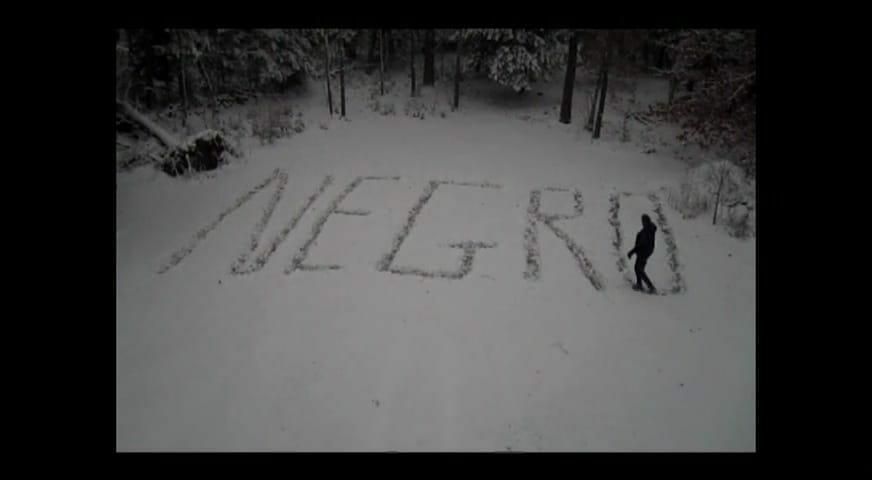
(652, 290)
(637, 287)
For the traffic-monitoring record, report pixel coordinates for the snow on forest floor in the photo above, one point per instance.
(409, 320)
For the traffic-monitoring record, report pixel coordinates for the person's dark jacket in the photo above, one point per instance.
(644, 239)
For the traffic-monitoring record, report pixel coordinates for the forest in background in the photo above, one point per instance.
(711, 74)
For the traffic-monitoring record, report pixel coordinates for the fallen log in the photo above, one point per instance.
(206, 150)
(165, 137)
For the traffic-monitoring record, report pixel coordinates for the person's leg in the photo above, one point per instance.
(643, 275)
(647, 282)
(638, 267)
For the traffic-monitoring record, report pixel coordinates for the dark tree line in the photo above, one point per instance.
(713, 80)
(712, 73)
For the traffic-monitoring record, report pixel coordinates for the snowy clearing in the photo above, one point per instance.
(455, 283)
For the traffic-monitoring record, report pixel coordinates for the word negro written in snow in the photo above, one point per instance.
(254, 258)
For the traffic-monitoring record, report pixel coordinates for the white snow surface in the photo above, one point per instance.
(359, 359)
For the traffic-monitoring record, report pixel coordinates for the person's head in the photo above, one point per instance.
(646, 221)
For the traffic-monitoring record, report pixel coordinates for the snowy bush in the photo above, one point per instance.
(274, 121)
(375, 89)
(388, 109)
(687, 199)
(740, 220)
(234, 127)
(379, 103)
(625, 129)
(720, 183)
(418, 108)
(383, 106)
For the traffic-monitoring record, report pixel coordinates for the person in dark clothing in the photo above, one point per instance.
(643, 249)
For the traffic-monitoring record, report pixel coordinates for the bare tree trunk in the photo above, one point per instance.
(721, 176)
(327, 71)
(457, 71)
(605, 84)
(428, 57)
(182, 86)
(390, 49)
(412, 58)
(211, 88)
(165, 137)
(342, 76)
(349, 50)
(569, 82)
(222, 79)
(144, 70)
(184, 97)
(129, 58)
(381, 56)
(372, 44)
(645, 50)
(602, 102)
(594, 100)
(622, 44)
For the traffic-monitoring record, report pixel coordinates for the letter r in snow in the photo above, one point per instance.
(531, 237)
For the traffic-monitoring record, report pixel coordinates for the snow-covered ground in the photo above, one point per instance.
(374, 357)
